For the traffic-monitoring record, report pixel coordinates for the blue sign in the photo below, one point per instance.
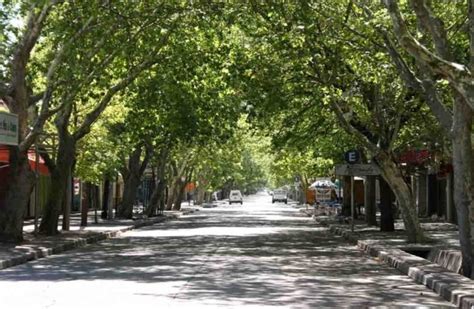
(352, 156)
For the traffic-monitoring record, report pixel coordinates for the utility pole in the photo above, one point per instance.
(352, 203)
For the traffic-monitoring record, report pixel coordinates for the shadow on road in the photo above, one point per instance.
(268, 257)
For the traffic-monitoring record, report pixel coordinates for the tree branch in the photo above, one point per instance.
(450, 70)
(50, 163)
(34, 26)
(45, 113)
(471, 33)
(426, 88)
(351, 130)
(434, 26)
(91, 117)
(394, 134)
(363, 36)
(348, 11)
(97, 69)
(35, 98)
(148, 155)
(444, 116)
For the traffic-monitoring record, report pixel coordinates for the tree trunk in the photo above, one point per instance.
(386, 210)
(96, 201)
(302, 194)
(87, 203)
(151, 208)
(346, 201)
(59, 182)
(200, 190)
(200, 195)
(163, 199)
(156, 197)
(160, 185)
(68, 201)
(406, 199)
(179, 195)
(12, 209)
(171, 188)
(182, 189)
(303, 187)
(131, 184)
(370, 207)
(20, 178)
(110, 201)
(178, 172)
(105, 199)
(463, 183)
(132, 176)
(158, 194)
(208, 197)
(172, 193)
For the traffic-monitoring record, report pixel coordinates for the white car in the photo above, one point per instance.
(280, 196)
(235, 197)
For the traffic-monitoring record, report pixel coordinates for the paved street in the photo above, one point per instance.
(254, 256)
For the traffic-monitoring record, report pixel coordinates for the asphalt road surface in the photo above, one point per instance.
(257, 255)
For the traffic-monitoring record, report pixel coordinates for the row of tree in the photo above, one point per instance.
(393, 76)
(116, 89)
(157, 66)
(172, 80)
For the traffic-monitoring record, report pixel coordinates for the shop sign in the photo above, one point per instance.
(357, 170)
(8, 128)
(414, 157)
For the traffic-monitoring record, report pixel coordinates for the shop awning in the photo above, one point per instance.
(5, 160)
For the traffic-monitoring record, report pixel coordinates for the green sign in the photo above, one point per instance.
(8, 128)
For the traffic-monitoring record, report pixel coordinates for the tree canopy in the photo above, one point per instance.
(235, 95)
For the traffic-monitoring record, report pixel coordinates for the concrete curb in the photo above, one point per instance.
(453, 287)
(42, 252)
(347, 235)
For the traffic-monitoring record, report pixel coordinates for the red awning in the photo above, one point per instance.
(42, 168)
(190, 186)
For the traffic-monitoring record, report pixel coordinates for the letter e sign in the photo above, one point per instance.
(352, 156)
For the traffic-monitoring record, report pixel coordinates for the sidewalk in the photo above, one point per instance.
(434, 264)
(33, 248)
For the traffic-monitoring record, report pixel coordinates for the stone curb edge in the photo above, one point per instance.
(39, 253)
(451, 286)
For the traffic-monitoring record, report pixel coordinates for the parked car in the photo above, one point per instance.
(235, 197)
(280, 196)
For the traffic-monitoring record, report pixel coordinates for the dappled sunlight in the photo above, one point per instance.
(208, 231)
(252, 258)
